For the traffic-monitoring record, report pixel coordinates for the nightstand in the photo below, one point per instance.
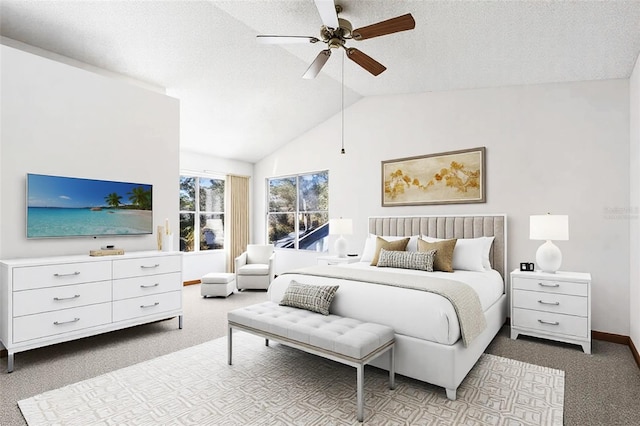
(552, 306)
(335, 260)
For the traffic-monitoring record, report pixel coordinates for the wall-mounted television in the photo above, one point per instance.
(59, 206)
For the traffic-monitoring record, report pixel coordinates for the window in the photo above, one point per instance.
(201, 213)
(298, 211)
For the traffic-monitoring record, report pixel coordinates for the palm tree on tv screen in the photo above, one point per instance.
(141, 198)
(113, 200)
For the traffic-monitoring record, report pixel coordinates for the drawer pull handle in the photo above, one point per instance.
(548, 322)
(548, 285)
(149, 286)
(75, 296)
(67, 275)
(66, 322)
(548, 303)
(149, 267)
(150, 306)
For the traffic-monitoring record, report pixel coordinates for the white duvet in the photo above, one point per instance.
(414, 313)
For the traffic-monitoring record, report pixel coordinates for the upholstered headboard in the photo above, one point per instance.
(461, 226)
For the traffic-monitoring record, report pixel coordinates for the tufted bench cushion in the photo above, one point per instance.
(344, 336)
(341, 339)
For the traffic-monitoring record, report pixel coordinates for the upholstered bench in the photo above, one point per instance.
(217, 284)
(337, 338)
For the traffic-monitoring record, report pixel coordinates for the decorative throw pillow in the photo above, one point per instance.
(422, 261)
(314, 298)
(443, 260)
(470, 254)
(369, 249)
(381, 243)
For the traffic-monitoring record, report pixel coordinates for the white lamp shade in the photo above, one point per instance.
(549, 227)
(340, 226)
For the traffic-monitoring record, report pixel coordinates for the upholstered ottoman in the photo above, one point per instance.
(217, 284)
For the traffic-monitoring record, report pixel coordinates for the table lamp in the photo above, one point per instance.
(549, 227)
(340, 227)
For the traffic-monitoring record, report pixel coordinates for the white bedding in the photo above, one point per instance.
(418, 314)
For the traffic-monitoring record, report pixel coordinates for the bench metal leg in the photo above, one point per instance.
(266, 342)
(392, 368)
(360, 391)
(180, 322)
(229, 345)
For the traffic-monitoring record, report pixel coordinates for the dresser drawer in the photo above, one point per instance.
(550, 322)
(142, 266)
(59, 322)
(550, 286)
(29, 302)
(550, 302)
(30, 277)
(126, 288)
(147, 305)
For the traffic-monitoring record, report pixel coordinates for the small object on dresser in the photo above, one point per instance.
(106, 252)
(527, 266)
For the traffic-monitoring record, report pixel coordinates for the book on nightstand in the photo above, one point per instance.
(106, 252)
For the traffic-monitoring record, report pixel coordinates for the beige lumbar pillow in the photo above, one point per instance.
(444, 253)
(381, 243)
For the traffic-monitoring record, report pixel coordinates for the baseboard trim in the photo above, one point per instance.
(192, 282)
(610, 337)
(634, 351)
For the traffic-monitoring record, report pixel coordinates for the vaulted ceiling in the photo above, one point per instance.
(242, 100)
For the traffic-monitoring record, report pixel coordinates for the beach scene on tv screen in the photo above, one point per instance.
(65, 207)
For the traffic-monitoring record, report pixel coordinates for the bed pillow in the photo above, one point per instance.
(369, 249)
(443, 260)
(422, 261)
(381, 243)
(314, 298)
(470, 254)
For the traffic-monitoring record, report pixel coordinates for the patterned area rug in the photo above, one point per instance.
(277, 385)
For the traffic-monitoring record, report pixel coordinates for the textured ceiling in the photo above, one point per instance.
(241, 100)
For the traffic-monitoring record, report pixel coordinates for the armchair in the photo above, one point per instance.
(255, 267)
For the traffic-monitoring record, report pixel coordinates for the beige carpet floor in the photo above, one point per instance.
(281, 386)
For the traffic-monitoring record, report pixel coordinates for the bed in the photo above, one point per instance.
(429, 344)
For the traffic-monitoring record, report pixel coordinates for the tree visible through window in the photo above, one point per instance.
(201, 213)
(298, 211)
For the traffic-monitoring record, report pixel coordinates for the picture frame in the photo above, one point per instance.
(452, 177)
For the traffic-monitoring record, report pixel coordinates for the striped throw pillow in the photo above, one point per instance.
(422, 261)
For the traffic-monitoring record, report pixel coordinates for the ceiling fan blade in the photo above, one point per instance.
(390, 26)
(365, 61)
(277, 39)
(317, 64)
(327, 11)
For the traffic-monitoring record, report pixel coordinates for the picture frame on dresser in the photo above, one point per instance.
(554, 306)
(44, 301)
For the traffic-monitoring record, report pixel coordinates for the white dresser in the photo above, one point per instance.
(552, 306)
(44, 301)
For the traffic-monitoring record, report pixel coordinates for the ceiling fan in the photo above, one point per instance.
(335, 32)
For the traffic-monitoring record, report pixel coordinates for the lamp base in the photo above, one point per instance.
(341, 247)
(548, 257)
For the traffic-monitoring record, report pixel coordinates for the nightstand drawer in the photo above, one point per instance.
(550, 286)
(551, 323)
(549, 302)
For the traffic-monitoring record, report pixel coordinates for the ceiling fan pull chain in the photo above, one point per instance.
(343, 54)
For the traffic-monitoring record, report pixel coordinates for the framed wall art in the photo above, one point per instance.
(442, 178)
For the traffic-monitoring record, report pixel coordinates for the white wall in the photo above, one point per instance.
(197, 264)
(559, 148)
(634, 203)
(62, 120)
